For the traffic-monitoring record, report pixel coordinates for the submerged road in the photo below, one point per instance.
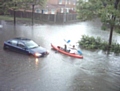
(57, 72)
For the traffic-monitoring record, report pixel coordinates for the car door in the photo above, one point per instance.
(21, 47)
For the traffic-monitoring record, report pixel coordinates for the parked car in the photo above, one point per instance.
(26, 46)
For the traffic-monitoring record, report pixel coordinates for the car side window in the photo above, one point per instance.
(13, 42)
(21, 44)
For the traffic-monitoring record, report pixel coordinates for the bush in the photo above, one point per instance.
(92, 43)
(115, 48)
(117, 31)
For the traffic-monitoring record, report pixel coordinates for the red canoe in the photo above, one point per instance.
(66, 53)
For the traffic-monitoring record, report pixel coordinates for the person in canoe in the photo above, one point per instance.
(73, 49)
(65, 48)
(70, 49)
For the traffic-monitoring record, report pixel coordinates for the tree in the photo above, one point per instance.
(106, 10)
(21, 4)
(36, 2)
(1, 7)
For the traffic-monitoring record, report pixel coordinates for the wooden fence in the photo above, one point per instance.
(56, 18)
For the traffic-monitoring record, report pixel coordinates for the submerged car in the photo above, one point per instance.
(25, 46)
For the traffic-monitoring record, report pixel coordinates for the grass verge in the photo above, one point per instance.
(10, 18)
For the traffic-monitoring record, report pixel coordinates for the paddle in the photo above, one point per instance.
(68, 41)
(79, 52)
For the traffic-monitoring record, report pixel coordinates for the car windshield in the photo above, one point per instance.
(31, 44)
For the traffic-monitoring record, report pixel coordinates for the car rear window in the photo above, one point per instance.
(14, 42)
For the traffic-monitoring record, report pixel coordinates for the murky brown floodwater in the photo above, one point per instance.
(57, 72)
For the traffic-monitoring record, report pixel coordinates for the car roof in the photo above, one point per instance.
(21, 39)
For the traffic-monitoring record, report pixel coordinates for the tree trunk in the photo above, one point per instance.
(32, 14)
(112, 26)
(14, 17)
(110, 39)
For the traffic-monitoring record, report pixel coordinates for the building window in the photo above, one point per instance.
(46, 11)
(66, 2)
(37, 11)
(85, 0)
(69, 2)
(60, 1)
(61, 10)
(74, 3)
(52, 11)
(67, 10)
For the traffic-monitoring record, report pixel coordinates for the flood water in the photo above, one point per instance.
(57, 72)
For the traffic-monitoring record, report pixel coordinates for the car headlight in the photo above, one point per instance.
(38, 54)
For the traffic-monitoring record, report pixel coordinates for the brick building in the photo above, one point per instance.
(57, 6)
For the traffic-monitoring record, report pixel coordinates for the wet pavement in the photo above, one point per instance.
(57, 72)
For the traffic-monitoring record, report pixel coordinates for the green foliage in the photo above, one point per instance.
(20, 4)
(104, 27)
(9, 18)
(106, 10)
(88, 10)
(117, 30)
(92, 43)
(1, 7)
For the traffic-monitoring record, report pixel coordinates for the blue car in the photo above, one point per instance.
(25, 46)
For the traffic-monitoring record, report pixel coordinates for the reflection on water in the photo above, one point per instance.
(36, 61)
